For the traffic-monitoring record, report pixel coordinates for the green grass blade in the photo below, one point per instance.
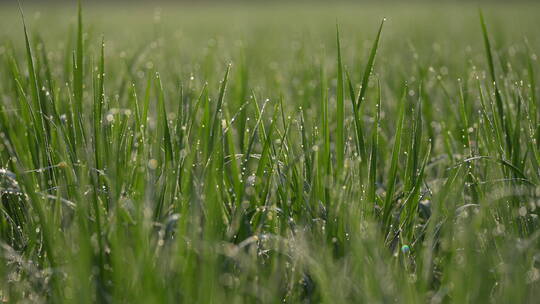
(369, 66)
(392, 178)
(217, 111)
(340, 136)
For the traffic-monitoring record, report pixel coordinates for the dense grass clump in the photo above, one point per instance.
(262, 163)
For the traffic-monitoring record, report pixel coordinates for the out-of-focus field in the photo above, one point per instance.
(273, 35)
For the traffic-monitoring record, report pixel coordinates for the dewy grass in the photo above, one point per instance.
(249, 164)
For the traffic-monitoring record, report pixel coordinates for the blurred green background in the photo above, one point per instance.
(273, 34)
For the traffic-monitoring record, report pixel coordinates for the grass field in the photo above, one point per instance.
(265, 153)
